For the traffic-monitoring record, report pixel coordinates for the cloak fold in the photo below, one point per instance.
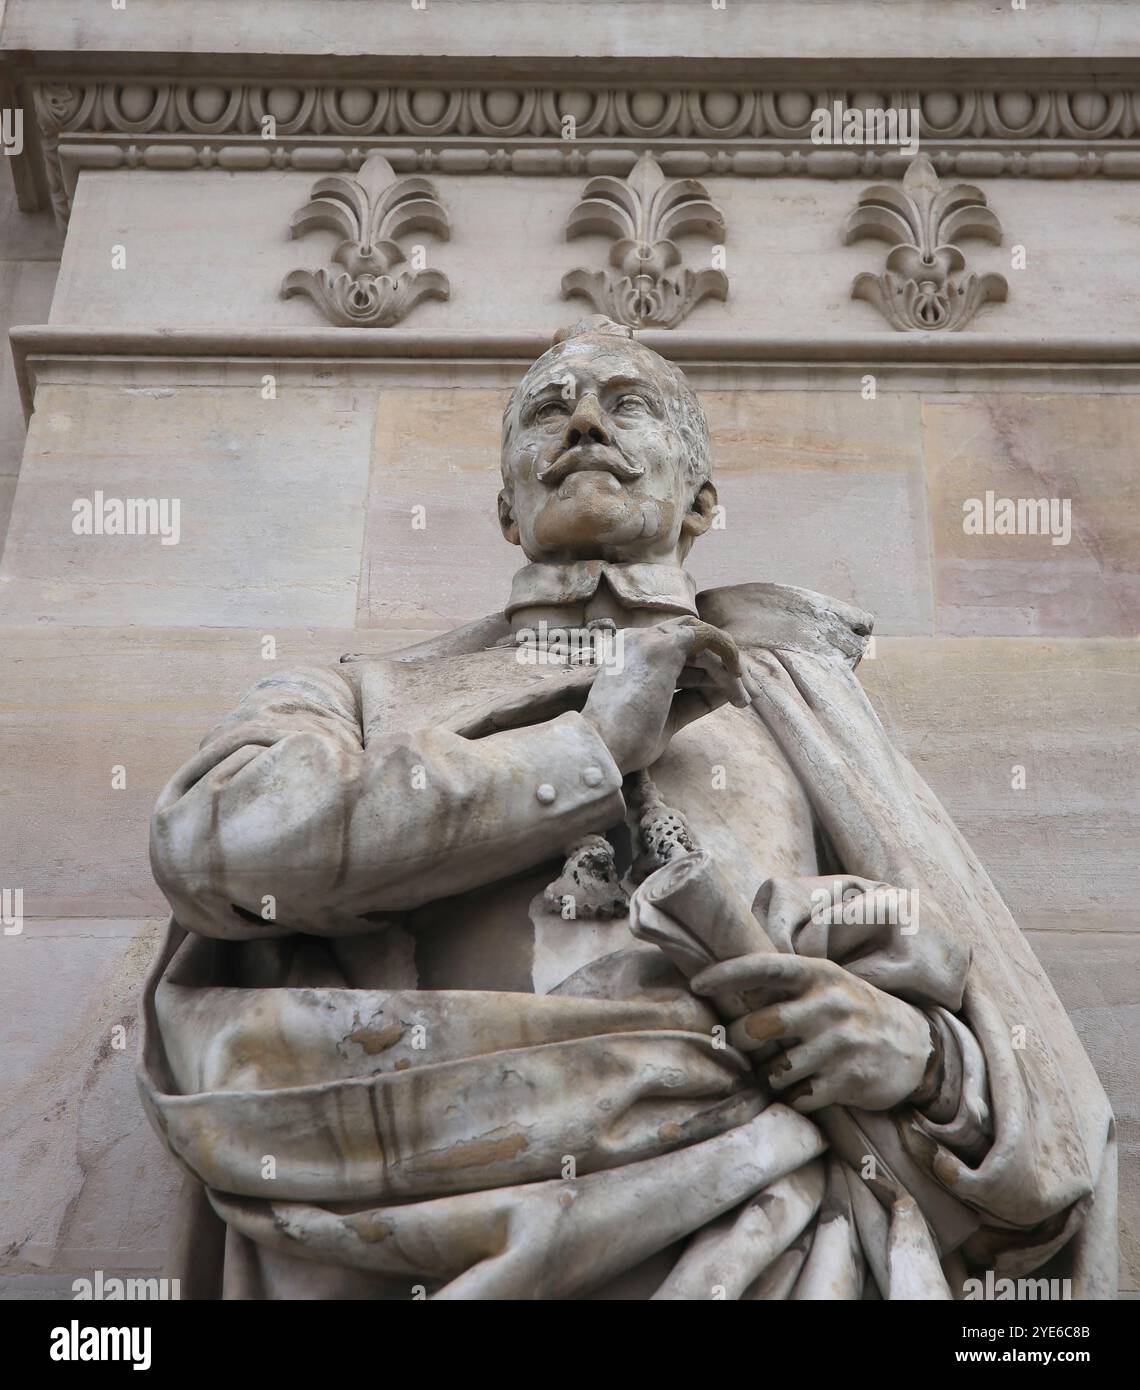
(450, 1174)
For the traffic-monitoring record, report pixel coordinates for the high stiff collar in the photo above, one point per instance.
(666, 587)
(773, 616)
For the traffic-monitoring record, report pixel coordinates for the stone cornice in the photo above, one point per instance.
(918, 356)
(502, 127)
(567, 31)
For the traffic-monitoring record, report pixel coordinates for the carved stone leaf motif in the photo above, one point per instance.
(644, 212)
(370, 211)
(921, 287)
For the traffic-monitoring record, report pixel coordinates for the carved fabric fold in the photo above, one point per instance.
(1052, 1119)
(677, 1147)
(494, 1112)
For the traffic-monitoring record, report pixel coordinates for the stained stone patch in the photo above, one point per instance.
(270, 507)
(433, 553)
(86, 1182)
(822, 491)
(1075, 453)
(1031, 746)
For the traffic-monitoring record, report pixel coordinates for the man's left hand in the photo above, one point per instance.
(826, 1036)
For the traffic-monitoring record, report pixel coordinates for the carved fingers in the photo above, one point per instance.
(703, 637)
(711, 673)
(820, 1035)
(671, 674)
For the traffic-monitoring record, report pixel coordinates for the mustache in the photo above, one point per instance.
(586, 458)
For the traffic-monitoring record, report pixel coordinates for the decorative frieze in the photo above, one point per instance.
(647, 287)
(370, 211)
(513, 112)
(922, 288)
(579, 131)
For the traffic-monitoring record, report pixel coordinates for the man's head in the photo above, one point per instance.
(605, 453)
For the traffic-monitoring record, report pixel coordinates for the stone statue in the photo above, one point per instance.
(604, 947)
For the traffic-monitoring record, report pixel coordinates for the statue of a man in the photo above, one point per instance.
(418, 1031)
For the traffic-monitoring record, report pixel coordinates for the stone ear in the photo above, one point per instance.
(700, 515)
(507, 523)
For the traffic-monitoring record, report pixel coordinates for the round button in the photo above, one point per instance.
(546, 793)
(592, 776)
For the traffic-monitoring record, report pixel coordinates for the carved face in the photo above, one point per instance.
(594, 464)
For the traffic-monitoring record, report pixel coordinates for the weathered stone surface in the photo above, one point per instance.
(79, 702)
(822, 491)
(7, 493)
(26, 236)
(86, 1184)
(969, 712)
(791, 276)
(433, 554)
(26, 287)
(1095, 974)
(29, 255)
(271, 508)
(777, 453)
(48, 1071)
(553, 29)
(1080, 449)
(233, 213)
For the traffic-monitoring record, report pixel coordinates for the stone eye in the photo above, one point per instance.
(550, 411)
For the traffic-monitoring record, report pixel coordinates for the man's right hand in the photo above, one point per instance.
(671, 674)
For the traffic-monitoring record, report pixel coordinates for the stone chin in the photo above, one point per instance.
(593, 513)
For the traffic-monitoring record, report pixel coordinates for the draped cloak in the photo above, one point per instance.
(377, 1092)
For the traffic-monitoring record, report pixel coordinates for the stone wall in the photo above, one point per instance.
(297, 524)
(788, 269)
(29, 263)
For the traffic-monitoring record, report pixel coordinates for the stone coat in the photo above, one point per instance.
(420, 1043)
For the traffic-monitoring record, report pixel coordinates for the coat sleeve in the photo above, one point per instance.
(285, 821)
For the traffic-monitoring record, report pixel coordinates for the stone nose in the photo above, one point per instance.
(587, 423)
